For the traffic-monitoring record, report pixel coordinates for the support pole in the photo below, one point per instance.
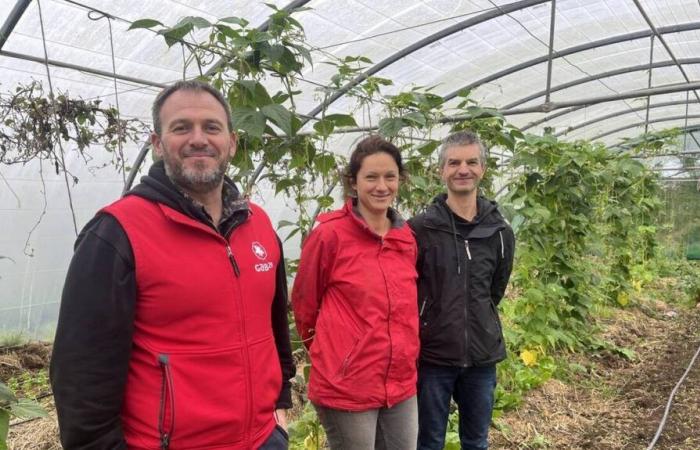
(551, 51)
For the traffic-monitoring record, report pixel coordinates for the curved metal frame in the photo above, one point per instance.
(578, 105)
(576, 49)
(656, 90)
(12, 19)
(494, 13)
(639, 124)
(611, 73)
(622, 113)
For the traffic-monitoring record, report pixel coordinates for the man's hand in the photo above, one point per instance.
(281, 418)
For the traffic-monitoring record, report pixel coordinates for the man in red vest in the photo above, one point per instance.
(173, 330)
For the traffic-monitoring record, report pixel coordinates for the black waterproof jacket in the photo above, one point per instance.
(463, 271)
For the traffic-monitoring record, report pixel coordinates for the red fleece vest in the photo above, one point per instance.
(204, 369)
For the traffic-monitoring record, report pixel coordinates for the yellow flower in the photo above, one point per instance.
(623, 298)
(529, 357)
(637, 285)
(311, 442)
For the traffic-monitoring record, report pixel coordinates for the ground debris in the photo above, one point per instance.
(618, 403)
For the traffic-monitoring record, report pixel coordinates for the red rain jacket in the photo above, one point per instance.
(356, 309)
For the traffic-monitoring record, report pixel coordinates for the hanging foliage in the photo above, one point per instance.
(33, 126)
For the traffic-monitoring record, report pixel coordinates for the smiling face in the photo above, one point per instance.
(195, 142)
(376, 183)
(462, 170)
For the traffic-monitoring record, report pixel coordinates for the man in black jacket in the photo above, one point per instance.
(465, 257)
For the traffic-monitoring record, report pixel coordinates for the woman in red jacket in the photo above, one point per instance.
(355, 305)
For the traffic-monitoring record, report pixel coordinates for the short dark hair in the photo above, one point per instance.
(461, 139)
(369, 146)
(192, 86)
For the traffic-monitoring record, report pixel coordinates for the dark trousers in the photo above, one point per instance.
(278, 440)
(472, 389)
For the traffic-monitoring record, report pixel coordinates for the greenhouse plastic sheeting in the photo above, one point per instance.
(496, 48)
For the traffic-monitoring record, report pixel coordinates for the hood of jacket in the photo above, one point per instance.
(157, 187)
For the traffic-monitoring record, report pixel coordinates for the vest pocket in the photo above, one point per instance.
(166, 413)
(194, 398)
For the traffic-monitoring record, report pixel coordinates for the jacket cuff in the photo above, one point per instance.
(285, 399)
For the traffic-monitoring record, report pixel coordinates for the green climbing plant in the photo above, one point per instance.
(11, 406)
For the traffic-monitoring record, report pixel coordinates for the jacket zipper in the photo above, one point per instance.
(232, 260)
(422, 307)
(388, 328)
(167, 392)
(466, 246)
(466, 306)
(503, 249)
(246, 356)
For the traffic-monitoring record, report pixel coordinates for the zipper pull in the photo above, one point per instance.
(165, 441)
(466, 246)
(229, 252)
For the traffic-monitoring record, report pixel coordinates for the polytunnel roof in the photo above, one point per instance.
(500, 49)
(615, 68)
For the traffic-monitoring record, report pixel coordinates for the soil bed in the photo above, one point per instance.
(616, 403)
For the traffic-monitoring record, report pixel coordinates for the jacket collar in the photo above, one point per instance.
(157, 187)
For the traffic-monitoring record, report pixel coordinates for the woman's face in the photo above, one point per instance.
(376, 183)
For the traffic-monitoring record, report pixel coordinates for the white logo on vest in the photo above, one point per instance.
(259, 251)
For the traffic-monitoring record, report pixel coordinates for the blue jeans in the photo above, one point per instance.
(472, 389)
(278, 440)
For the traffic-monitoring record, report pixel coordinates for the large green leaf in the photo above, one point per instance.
(6, 395)
(259, 36)
(237, 20)
(341, 120)
(196, 22)
(174, 35)
(324, 127)
(325, 201)
(27, 409)
(280, 116)
(144, 23)
(390, 126)
(249, 120)
(227, 31)
(285, 183)
(415, 118)
(298, 160)
(285, 223)
(4, 427)
(274, 52)
(428, 148)
(324, 163)
(252, 93)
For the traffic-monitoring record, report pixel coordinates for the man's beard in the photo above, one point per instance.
(194, 179)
